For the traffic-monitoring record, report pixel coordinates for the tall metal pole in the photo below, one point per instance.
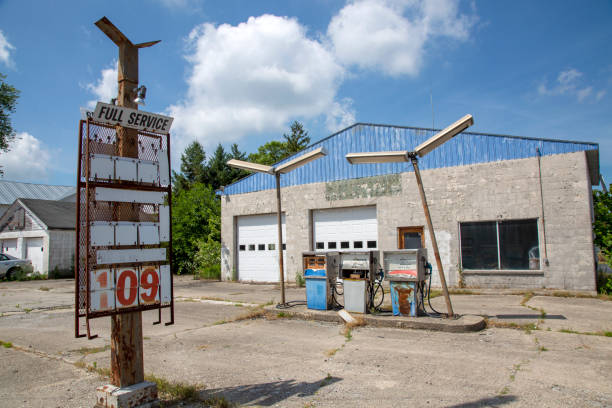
(127, 367)
(281, 267)
(432, 234)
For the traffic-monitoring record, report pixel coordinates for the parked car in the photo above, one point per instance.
(11, 266)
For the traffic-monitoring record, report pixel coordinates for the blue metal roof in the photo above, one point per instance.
(464, 149)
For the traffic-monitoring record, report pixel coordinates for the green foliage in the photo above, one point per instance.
(8, 101)
(297, 140)
(193, 169)
(602, 227)
(604, 283)
(208, 258)
(299, 279)
(193, 213)
(275, 151)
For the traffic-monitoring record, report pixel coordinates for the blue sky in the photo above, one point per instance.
(241, 71)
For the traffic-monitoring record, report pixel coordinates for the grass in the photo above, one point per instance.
(44, 289)
(332, 352)
(526, 298)
(91, 350)
(527, 327)
(250, 314)
(174, 390)
(599, 333)
(282, 314)
(101, 371)
(6, 344)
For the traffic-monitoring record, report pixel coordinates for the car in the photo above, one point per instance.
(11, 266)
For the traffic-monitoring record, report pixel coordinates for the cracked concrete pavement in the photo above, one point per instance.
(294, 363)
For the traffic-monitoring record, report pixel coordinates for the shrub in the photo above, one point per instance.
(604, 283)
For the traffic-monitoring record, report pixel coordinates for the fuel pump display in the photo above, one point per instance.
(405, 271)
(357, 270)
(320, 273)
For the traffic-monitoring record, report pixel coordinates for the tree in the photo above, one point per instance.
(297, 140)
(602, 227)
(193, 169)
(270, 153)
(195, 214)
(8, 101)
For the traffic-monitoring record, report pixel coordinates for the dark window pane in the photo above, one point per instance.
(344, 244)
(357, 244)
(516, 240)
(331, 245)
(284, 247)
(271, 247)
(320, 245)
(242, 247)
(261, 247)
(371, 244)
(412, 240)
(251, 247)
(479, 245)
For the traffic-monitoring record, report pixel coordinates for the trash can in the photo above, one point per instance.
(357, 272)
(405, 271)
(320, 272)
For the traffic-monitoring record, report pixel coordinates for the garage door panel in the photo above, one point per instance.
(257, 250)
(345, 225)
(34, 252)
(9, 247)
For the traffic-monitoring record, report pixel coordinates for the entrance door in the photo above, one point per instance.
(34, 252)
(410, 238)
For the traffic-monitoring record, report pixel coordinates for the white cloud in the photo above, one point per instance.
(105, 88)
(570, 82)
(27, 160)
(391, 35)
(341, 115)
(254, 77)
(5, 51)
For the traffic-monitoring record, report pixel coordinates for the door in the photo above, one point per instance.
(34, 252)
(9, 247)
(257, 248)
(345, 229)
(410, 238)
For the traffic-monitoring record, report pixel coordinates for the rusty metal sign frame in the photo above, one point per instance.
(100, 138)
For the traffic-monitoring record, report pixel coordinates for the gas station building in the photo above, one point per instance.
(508, 211)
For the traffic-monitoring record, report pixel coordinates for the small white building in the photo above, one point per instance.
(42, 231)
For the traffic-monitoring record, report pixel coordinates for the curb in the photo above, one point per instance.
(462, 324)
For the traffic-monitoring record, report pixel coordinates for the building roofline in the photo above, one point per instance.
(595, 145)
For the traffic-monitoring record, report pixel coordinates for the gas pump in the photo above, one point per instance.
(320, 273)
(358, 272)
(406, 272)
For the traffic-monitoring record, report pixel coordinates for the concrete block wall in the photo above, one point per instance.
(492, 191)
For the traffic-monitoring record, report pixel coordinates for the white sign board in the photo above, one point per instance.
(132, 118)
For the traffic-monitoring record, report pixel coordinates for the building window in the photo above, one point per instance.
(261, 247)
(320, 245)
(284, 247)
(500, 245)
(371, 244)
(344, 244)
(271, 247)
(251, 247)
(331, 245)
(357, 244)
(410, 238)
(242, 247)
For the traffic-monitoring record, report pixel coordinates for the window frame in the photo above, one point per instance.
(498, 246)
(400, 235)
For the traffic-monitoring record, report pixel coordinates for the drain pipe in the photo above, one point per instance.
(539, 154)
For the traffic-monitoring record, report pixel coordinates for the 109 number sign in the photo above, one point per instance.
(117, 288)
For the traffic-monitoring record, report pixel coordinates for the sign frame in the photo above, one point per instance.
(101, 138)
(132, 118)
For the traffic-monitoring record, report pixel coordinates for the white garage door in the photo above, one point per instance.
(9, 247)
(257, 248)
(345, 229)
(34, 252)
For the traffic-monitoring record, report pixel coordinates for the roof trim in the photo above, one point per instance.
(595, 145)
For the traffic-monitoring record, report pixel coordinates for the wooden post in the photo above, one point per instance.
(279, 220)
(432, 234)
(127, 367)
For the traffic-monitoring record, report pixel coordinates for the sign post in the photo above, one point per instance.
(123, 226)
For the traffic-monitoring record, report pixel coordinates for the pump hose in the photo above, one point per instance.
(428, 287)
